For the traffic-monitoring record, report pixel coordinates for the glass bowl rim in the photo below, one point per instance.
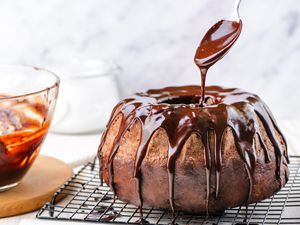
(33, 68)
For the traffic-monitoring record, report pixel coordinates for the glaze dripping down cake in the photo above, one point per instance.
(161, 149)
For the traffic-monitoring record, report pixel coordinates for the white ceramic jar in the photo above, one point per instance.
(87, 96)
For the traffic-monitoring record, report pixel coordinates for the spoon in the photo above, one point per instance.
(218, 39)
(216, 43)
(235, 16)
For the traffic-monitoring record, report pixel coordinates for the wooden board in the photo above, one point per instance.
(46, 175)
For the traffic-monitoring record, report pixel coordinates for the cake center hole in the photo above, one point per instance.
(188, 100)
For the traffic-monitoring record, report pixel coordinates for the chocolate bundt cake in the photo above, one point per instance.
(161, 149)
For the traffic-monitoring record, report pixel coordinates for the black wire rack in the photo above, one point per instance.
(84, 199)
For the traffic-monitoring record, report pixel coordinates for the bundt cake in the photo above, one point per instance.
(161, 149)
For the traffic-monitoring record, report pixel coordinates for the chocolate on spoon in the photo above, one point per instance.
(216, 43)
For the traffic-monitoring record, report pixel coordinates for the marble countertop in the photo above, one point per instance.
(154, 42)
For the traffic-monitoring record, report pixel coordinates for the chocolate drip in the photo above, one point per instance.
(218, 159)
(264, 147)
(266, 120)
(207, 155)
(230, 108)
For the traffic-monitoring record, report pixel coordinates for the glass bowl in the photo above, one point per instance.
(27, 102)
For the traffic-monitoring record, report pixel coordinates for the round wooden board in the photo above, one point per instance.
(45, 176)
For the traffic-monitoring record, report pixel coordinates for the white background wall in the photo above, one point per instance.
(154, 41)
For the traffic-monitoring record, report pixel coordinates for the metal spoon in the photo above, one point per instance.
(216, 43)
(235, 16)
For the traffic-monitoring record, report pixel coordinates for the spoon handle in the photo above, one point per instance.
(235, 13)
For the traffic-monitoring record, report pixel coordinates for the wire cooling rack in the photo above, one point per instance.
(86, 200)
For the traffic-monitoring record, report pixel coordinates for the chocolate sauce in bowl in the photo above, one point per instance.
(214, 45)
(22, 132)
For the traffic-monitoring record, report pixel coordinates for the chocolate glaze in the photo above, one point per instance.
(142, 221)
(214, 45)
(106, 213)
(177, 111)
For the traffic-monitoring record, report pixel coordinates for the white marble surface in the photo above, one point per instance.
(154, 41)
